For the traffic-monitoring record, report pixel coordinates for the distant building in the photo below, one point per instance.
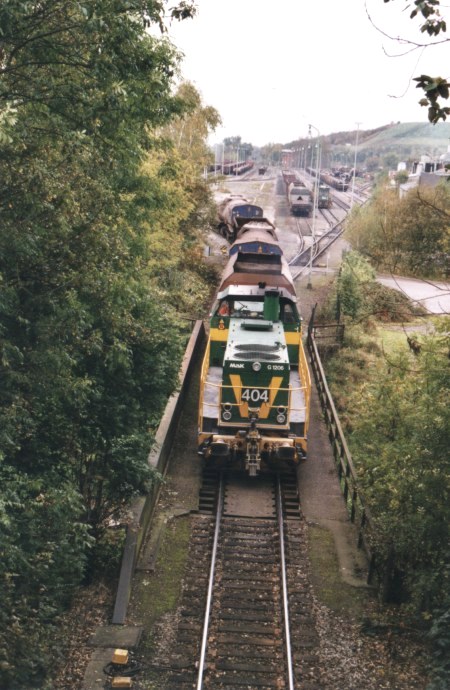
(287, 158)
(427, 172)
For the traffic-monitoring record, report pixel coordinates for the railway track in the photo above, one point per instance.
(301, 261)
(246, 616)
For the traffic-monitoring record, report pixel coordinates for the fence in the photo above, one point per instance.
(359, 513)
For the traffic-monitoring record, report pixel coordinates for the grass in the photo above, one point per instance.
(393, 338)
(158, 592)
(339, 596)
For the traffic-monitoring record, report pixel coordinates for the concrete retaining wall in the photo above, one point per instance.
(143, 508)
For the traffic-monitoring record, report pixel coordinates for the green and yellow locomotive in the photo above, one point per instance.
(255, 384)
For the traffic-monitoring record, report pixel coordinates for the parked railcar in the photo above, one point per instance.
(289, 176)
(229, 168)
(337, 181)
(300, 199)
(254, 384)
(323, 196)
(233, 212)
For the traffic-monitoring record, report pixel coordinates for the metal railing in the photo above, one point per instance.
(215, 405)
(357, 509)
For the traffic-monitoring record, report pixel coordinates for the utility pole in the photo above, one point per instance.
(315, 200)
(354, 164)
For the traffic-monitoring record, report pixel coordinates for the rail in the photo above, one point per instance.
(218, 583)
(358, 512)
(287, 632)
(204, 645)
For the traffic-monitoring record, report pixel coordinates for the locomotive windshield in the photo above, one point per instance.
(249, 310)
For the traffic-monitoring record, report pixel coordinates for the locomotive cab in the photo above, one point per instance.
(254, 397)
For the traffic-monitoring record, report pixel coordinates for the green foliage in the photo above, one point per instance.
(98, 215)
(401, 177)
(408, 235)
(397, 420)
(355, 275)
(434, 87)
(44, 544)
(439, 636)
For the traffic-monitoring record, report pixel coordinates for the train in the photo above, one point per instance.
(323, 196)
(300, 198)
(229, 168)
(233, 211)
(255, 385)
(337, 180)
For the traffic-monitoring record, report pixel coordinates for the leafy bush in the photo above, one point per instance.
(43, 557)
(398, 416)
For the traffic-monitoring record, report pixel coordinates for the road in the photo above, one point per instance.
(433, 296)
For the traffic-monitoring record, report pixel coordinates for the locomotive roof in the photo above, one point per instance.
(243, 291)
(253, 269)
(260, 229)
(269, 344)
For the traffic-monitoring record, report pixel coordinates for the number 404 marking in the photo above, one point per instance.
(255, 395)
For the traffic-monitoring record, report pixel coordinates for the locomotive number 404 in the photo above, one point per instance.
(255, 395)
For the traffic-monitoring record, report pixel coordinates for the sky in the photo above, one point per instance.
(272, 68)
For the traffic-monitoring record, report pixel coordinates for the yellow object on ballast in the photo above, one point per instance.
(120, 656)
(121, 682)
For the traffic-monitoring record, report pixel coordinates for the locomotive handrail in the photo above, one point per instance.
(285, 389)
(306, 378)
(203, 374)
(357, 509)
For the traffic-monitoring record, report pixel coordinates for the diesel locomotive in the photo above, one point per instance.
(254, 383)
(301, 199)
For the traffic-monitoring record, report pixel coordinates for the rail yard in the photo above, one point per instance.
(228, 588)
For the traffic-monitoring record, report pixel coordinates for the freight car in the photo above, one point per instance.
(240, 168)
(233, 212)
(339, 182)
(254, 383)
(299, 197)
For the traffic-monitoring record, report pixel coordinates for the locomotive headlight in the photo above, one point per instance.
(256, 366)
(227, 406)
(281, 418)
(281, 409)
(226, 415)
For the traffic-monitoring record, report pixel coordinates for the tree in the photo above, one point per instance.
(401, 176)
(355, 275)
(400, 444)
(434, 88)
(90, 345)
(408, 235)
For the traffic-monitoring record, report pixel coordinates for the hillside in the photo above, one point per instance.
(417, 137)
(388, 145)
(383, 147)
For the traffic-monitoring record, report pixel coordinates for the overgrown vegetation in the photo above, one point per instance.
(394, 407)
(408, 235)
(101, 216)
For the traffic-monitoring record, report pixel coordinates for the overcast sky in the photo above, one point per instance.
(272, 67)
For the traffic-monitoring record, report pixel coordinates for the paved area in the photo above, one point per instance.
(433, 296)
